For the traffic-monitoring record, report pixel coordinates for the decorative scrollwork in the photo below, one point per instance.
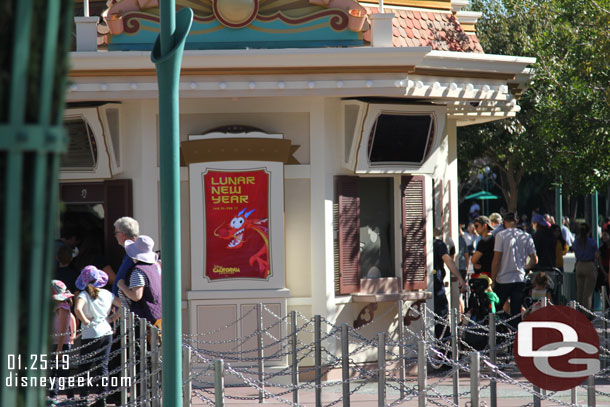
(131, 21)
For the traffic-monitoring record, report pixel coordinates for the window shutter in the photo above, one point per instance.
(118, 202)
(414, 233)
(348, 234)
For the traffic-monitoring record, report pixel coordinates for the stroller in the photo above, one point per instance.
(556, 280)
(479, 307)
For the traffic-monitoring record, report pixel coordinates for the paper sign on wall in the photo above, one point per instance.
(237, 226)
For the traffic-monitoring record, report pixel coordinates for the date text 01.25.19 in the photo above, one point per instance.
(38, 362)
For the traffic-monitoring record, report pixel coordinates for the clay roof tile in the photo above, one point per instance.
(441, 31)
(408, 22)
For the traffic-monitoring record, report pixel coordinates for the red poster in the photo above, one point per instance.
(237, 227)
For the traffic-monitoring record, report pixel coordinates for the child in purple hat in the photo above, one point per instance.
(92, 308)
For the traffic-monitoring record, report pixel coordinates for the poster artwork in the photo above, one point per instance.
(237, 227)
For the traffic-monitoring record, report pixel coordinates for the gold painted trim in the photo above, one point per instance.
(421, 4)
(238, 149)
(468, 27)
(83, 73)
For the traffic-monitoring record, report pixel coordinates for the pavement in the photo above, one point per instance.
(508, 395)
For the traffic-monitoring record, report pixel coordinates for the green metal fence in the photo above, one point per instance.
(34, 38)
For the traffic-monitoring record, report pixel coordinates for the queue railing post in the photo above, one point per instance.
(261, 354)
(124, 355)
(573, 390)
(345, 364)
(318, 358)
(143, 362)
(155, 350)
(187, 387)
(219, 383)
(295, 357)
(591, 391)
(455, 356)
(475, 379)
(422, 373)
(604, 299)
(133, 400)
(381, 369)
(493, 394)
(401, 350)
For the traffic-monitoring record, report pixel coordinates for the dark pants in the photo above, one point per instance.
(61, 375)
(441, 308)
(96, 353)
(514, 291)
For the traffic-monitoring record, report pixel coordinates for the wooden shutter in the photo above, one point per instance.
(118, 202)
(348, 234)
(414, 233)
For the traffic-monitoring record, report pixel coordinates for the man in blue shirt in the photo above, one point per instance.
(125, 228)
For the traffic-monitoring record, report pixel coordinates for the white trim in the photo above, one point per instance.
(256, 58)
(474, 62)
(399, 86)
(300, 301)
(468, 17)
(241, 294)
(301, 171)
(116, 166)
(457, 5)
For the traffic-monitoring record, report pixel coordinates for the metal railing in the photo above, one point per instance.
(403, 367)
(390, 373)
(33, 75)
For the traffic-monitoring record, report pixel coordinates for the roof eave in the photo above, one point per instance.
(474, 62)
(256, 58)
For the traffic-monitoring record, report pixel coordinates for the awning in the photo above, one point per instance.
(481, 195)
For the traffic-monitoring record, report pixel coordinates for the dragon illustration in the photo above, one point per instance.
(236, 230)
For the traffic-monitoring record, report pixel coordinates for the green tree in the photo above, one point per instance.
(562, 130)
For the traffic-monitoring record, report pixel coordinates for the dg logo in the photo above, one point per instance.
(556, 348)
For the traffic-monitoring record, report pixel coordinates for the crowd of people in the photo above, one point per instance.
(507, 249)
(88, 299)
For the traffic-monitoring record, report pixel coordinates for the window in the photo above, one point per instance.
(365, 225)
(82, 148)
(376, 228)
(391, 138)
(400, 138)
(93, 147)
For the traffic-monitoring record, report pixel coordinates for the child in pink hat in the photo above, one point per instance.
(64, 331)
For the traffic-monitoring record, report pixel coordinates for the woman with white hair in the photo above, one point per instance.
(125, 228)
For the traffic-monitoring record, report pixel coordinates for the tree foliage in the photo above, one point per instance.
(563, 129)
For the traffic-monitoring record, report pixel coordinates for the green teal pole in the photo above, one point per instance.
(558, 203)
(167, 56)
(594, 216)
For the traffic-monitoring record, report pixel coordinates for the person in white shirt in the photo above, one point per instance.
(92, 308)
(514, 256)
